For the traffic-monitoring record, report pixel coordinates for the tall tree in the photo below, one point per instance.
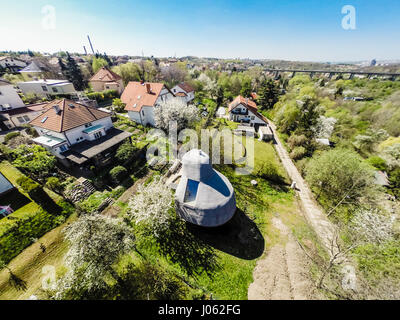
(268, 94)
(246, 89)
(109, 62)
(74, 74)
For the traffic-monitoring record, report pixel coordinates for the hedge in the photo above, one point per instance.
(25, 226)
(37, 194)
(11, 135)
(103, 96)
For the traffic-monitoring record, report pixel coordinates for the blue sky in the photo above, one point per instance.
(307, 30)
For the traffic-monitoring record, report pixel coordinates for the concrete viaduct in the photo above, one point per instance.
(331, 73)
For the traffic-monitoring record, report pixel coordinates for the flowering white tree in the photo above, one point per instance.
(373, 226)
(175, 110)
(151, 205)
(210, 86)
(96, 242)
(324, 127)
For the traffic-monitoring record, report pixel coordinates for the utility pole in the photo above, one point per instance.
(84, 48)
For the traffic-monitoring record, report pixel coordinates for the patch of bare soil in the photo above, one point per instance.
(283, 274)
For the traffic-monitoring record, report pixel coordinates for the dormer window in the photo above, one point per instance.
(87, 125)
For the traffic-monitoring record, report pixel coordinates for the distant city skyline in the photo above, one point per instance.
(307, 30)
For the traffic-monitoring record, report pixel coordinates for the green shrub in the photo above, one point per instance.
(377, 162)
(118, 174)
(11, 135)
(298, 153)
(53, 183)
(125, 152)
(269, 171)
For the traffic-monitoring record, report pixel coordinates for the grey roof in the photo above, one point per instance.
(83, 151)
(5, 185)
(32, 67)
(204, 196)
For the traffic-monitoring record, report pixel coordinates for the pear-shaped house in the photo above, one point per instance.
(204, 196)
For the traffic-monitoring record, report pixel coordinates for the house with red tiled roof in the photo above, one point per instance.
(77, 133)
(244, 110)
(184, 90)
(141, 98)
(105, 79)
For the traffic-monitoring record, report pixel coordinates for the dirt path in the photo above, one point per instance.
(113, 210)
(283, 273)
(312, 212)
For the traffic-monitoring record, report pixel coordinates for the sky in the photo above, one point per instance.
(301, 30)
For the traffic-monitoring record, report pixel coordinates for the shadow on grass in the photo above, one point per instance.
(191, 253)
(239, 237)
(14, 199)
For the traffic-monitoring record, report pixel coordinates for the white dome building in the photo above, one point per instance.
(204, 196)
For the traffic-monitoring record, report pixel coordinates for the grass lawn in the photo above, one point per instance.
(29, 263)
(239, 244)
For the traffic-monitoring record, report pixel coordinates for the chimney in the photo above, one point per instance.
(148, 88)
(57, 108)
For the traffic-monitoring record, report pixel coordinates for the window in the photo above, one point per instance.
(79, 139)
(26, 118)
(54, 89)
(20, 119)
(44, 88)
(87, 125)
(97, 135)
(63, 148)
(191, 190)
(142, 113)
(252, 117)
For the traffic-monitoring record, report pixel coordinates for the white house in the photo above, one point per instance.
(184, 90)
(245, 110)
(11, 63)
(78, 133)
(141, 98)
(44, 87)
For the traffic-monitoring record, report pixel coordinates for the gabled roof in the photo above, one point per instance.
(249, 105)
(41, 65)
(135, 95)
(186, 87)
(105, 75)
(71, 115)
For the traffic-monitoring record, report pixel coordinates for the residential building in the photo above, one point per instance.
(9, 98)
(77, 134)
(142, 97)
(245, 110)
(105, 79)
(184, 90)
(13, 64)
(17, 117)
(47, 87)
(41, 68)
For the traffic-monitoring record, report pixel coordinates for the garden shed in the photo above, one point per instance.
(204, 196)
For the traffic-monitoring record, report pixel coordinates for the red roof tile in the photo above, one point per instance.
(105, 75)
(135, 95)
(71, 115)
